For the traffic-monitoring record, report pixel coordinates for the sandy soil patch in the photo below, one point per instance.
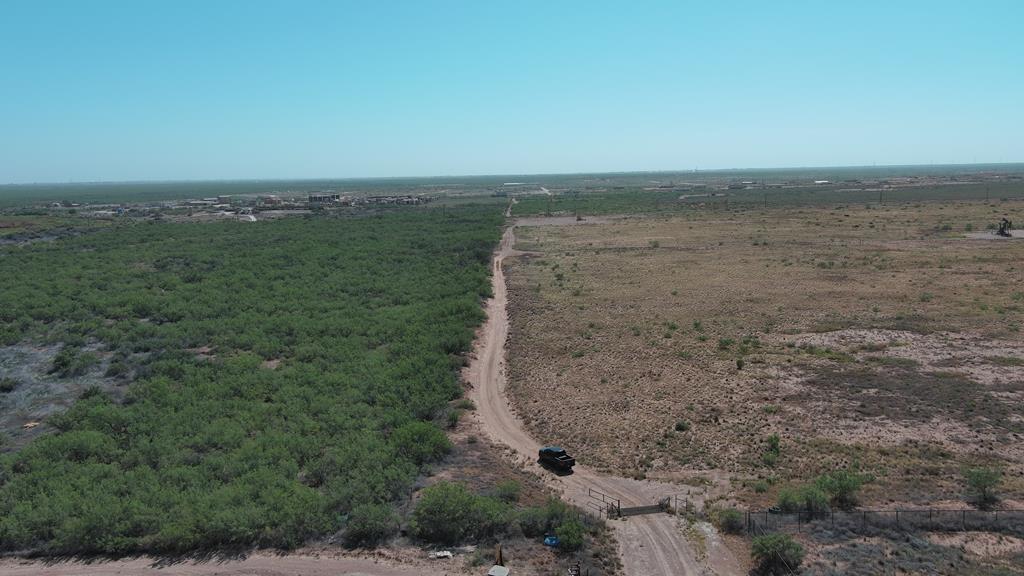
(983, 544)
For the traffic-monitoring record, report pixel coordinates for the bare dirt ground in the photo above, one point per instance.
(637, 326)
(652, 544)
(874, 337)
(36, 392)
(989, 235)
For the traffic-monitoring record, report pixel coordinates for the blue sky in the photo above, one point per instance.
(105, 90)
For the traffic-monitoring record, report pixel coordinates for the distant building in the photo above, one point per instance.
(324, 198)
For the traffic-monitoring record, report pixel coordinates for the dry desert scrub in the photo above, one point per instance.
(876, 337)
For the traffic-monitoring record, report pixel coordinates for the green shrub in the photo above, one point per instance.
(115, 369)
(570, 535)
(420, 442)
(449, 514)
(464, 404)
(982, 484)
(370, 524)
(682, 426)
(7, 385)
(803, 499)
(453, 418)
(776, 554)
(532, 521)
(729, 520)
(542, 520)
(771, 454)
(508, 490)
(725, 343)
(841, 487)
(71, 362)
(367, 311)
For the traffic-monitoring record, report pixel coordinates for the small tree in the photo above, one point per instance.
(841, 487)
(982, 484)
(776, 553)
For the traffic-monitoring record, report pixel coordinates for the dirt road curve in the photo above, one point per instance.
(651, 545)
(254, 565)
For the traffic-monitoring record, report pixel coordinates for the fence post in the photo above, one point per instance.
(963, 520)
(897, 519)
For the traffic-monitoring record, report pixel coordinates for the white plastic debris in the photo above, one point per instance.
(441, 554)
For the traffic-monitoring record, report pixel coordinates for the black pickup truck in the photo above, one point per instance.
(556, 458)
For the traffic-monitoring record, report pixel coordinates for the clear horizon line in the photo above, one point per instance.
(502, 174)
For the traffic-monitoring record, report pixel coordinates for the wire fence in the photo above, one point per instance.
(924, 519)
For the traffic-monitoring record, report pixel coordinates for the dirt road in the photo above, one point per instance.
(253, 565)
(648, 545)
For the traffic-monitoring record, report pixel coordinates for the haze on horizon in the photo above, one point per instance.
(118, 91)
